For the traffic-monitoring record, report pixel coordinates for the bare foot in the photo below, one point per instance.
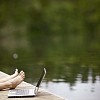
(17, 80)
(9, 77)
(5, 85)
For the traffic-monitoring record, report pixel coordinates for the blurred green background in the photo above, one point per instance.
(61, 35)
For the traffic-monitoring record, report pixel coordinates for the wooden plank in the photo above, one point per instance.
(42, 95)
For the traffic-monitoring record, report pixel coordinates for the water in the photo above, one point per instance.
(84, 83)
(81, 91)
(71, 73)
(62, 36)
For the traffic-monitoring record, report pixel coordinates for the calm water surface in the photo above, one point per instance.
(73, 74)
(62, 36)
(65, 81)
(81, 91)
(73, 66)
(87, 90)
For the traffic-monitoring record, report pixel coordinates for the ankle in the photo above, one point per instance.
(8, 84)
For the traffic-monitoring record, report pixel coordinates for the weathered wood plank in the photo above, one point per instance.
(42, 95)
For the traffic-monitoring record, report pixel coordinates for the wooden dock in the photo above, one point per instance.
(42, 95)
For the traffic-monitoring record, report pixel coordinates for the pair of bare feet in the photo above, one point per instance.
(12, 81)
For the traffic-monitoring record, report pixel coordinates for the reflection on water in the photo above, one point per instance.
(73, 70)
(62, 36)
(66, 80)
(88, 90)
(81, 91)
(71, 73)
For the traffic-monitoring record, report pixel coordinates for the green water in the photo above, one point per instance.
(71, 72)
(61, 35)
